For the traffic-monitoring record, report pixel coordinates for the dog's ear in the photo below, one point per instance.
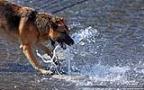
(56, 19)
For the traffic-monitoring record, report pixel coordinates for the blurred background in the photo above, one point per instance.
(108, 50)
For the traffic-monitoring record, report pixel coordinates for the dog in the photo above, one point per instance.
(30, 29)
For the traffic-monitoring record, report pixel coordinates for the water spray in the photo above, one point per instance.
(51, 60)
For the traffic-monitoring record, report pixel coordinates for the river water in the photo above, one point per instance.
(108, 53)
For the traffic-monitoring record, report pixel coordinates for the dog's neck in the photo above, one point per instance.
(43, 22)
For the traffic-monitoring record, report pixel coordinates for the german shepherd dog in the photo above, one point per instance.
(31, 29)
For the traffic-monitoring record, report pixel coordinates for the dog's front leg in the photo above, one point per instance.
(49, 52)
(45, 49)
(27, 50)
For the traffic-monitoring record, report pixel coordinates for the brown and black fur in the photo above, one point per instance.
(31, 29)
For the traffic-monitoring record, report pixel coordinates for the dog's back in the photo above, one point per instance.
(9, 15)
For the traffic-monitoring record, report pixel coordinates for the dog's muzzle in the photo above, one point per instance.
(67, 41)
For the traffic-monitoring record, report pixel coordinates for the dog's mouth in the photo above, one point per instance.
(63, 45)
(63, 42)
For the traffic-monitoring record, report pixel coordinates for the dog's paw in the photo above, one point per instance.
(46, 72)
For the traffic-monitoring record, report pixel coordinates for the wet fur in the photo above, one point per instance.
(31, 28)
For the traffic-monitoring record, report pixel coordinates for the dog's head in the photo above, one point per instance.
(59, 32)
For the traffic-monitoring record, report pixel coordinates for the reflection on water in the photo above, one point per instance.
(109, 42)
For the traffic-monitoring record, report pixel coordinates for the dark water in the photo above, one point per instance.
(108, 54)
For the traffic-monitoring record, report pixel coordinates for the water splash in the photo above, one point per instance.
(80, 60)
(85, 34)
(67, 54)
(47, 59)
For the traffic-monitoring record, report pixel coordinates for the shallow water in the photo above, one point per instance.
(108, 51)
